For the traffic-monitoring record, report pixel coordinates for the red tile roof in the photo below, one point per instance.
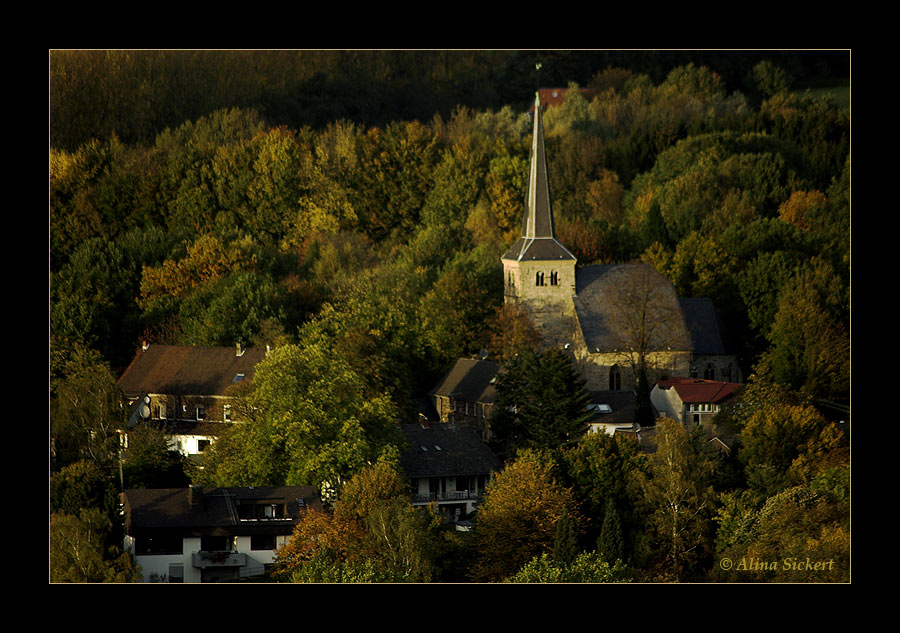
(697, 390)
(555, 96)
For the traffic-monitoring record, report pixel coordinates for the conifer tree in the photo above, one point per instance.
(542, 402)
(611, 543)
(565, 544)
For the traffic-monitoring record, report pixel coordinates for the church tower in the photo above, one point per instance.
(538, 271)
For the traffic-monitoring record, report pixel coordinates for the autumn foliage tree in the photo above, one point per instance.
(518, 518)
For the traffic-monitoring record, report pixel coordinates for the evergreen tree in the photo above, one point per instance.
(611, 543)
(565, 544)
(542, 402)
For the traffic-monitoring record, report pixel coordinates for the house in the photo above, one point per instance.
(187, 389)
(210, 535)
(587, 310)
(466, 394)
(691, 400)
(612, 412)
(448, 465)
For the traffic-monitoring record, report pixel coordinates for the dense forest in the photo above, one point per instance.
(349, 209)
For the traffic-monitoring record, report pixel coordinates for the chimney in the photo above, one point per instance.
(195, 497)
(238, 349)
(144, 345)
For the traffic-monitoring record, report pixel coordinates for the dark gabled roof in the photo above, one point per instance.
(171, 507)
(620, 404)
(469, 380)
(445, 450)
(707, 331)
(181, 370)
(599, 291)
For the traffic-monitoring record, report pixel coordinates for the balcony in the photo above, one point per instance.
(459, 495)
(204, 559)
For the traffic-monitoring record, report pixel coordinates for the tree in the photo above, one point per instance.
(565, 543)
(316, 422)
(611, 544)
(541, 402)
(511, 332)
(374, 534)
(79, 551)
(644, 312)
(809, 337)
(780, 442)
(149, 462)
(586, 567)
(599, 468)
(678, 500)
(518, 517)
(86, 409)
(82, 485)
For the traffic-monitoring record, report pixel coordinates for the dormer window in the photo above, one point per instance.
(238, 378)
(201, 412)
(226, 412)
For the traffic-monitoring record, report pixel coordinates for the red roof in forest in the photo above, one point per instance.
(555, 96)
(697, 390)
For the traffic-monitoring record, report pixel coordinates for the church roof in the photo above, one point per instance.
(606, 299)
(538, 239)
(707, 331)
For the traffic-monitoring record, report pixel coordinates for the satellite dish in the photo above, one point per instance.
(144, 411)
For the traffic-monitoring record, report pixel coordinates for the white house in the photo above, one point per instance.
(213, 535)
(691, 400)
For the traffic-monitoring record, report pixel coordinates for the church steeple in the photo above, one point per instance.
(538, 241)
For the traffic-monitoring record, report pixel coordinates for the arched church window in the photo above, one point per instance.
(539, 279)
(615, 378)
(554, 278)
(710, 372)
(693, 371)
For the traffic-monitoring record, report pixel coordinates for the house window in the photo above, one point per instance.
(201, 412)
(615, 378)
(161, 411)
(176, 572)
(216, 543)
(202, 445)
(262, 542)
(226, 412)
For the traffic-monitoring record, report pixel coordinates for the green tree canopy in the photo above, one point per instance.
(541, 402)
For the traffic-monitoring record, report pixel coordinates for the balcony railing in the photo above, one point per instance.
(204, 559)
(459, 495)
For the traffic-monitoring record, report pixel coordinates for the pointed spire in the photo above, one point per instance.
(538, 209)
(538, 239)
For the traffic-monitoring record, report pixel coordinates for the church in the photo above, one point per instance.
(612, 318)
